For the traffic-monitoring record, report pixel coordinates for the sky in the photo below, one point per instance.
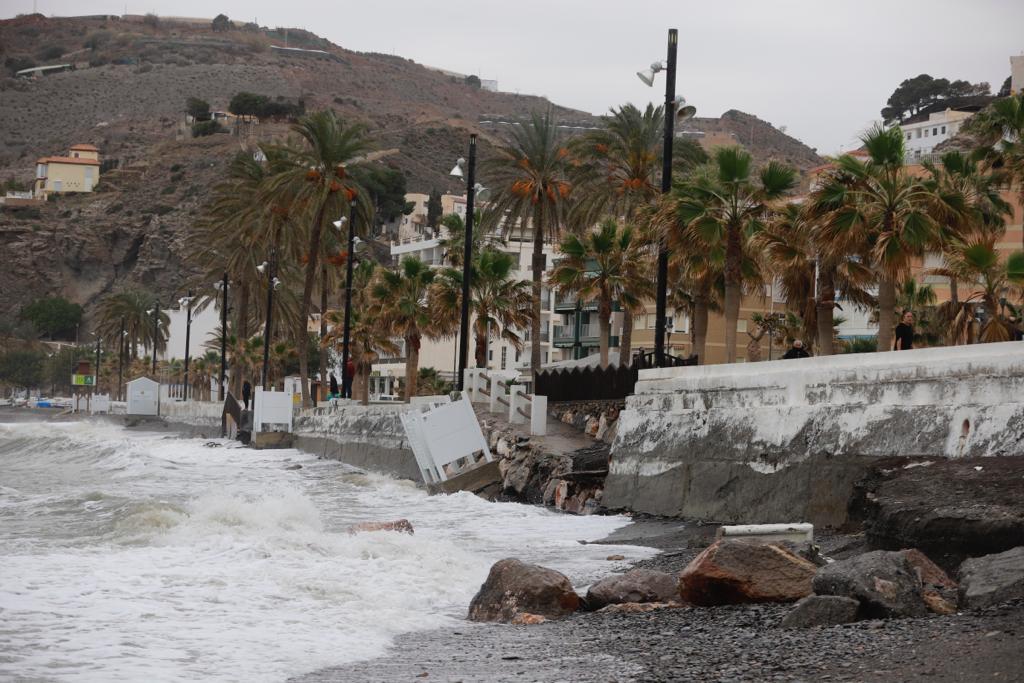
(821, 68)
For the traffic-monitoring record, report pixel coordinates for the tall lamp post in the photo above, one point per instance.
(120, 360)
(186, 303)
(156, 331)
(272, 284)
(96, 376)
(674, 109)
(467, 255)
(349, 262)
(223, 287)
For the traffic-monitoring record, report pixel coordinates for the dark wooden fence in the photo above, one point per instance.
(594, 383)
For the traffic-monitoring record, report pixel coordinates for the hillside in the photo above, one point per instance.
(126, 95)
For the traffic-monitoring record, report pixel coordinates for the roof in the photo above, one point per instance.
(67, 160)
(85, 147)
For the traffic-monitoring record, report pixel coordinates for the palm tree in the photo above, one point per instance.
(603, 265)
(499, 304)
(724, 202)
(977, 262)
(318, 178)
(878, 209)
(131, 306)
(531, 181)
(404, 304)
(454, 244)
(1000, 129)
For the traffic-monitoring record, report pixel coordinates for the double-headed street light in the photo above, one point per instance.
(222, 286)
(267, 268)
(675, 109)
(346, 381)
(186, 303)
(467, 254)
(155, 312)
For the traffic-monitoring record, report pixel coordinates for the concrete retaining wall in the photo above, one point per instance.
(194, 413)
(368, 437)
(785, 441)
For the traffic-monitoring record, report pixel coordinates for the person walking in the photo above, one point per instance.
(904, 333)
(246, 393)
(348, 373)
(334, 386)
(797, 350)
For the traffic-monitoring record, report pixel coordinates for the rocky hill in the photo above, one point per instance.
(126, 95)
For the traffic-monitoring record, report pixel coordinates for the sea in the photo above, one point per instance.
(134, 556)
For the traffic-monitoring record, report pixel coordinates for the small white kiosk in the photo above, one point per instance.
(143, 397)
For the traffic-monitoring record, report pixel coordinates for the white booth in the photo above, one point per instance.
(143, 397)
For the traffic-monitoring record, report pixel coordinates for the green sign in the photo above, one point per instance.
(82, 380)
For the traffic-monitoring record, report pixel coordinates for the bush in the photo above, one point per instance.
(53, 316)
(151, 20)
(860, 345)
(198, 109)
(221, 23)
(51, 52)
(98, 39)
(205, 128)
(162, 209)
(16, 63)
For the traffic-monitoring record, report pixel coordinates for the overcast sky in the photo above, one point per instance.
(822, 68)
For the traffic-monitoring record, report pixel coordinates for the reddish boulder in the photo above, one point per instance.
(514, 588)
(636, 585)
(402, 525)
(732, 571)
(938, 590)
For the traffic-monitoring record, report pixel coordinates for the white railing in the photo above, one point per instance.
(503, 394)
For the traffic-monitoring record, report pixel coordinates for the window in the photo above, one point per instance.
(926, 132)
(545, 358)
(504, 356)
(490, 352)
(918, 133)
(517, 355)
(909, 135)
(943, 130)
(935, 131)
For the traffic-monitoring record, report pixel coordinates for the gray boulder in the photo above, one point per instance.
(513, 588)
(636, 585)
(885, 583)
(992, 579)
(822, 610)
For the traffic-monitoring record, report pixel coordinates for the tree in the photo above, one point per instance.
(454, 244)
(980, 316)
(198, 109)
(532, 188)
(1000, 129)
(132, 306)
(877, 209)
(22, 369)
(248, 104)
(387, 191)
(405, 309)
(318, 179)
(221, 23)
(1004, 89)
(499, 303)
(603, 265)
(434, 209)
(53, 316)
(914, 94)
(724, 202)
(473, 81)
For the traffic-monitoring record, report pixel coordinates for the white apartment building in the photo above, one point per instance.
(922, 136)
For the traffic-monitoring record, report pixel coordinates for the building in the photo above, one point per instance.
(1017, 74)
(79, 171)
(922, 135)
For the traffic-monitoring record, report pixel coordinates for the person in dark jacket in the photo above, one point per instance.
(246, 393)
(334, 386)
(796, 351)
(349, 371)
(904, 333)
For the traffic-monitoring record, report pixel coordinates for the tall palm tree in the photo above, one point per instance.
(1000, 129)
(500, 304)
(879, 209)
(405, 308)
(319, 179)
(726, 202)
(531, 184)
(454, 244)
(603, 265)
(131, 305)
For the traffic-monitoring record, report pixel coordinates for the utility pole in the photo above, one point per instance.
(223, 337)
(467, 262)
(346, 332)
(661, 299)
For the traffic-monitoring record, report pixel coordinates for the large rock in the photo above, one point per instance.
(737, 571)
(636, 585)
(822, 610)
(937, 589)
(950, 509)
(514, 587)
(402, 525)
(885, 583)
(992, 579)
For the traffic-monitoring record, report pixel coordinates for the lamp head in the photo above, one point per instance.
(356, 241)
(340, 222)
(262, 268)
(276, 283)
(457, 169)
(684, 112)
(218, 285)
(150, 311)
(647, 75)
(481, 192)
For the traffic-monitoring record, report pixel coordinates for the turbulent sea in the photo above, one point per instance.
(127, 556)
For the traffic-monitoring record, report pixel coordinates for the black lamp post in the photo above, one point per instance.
(223, 336)
(272, 282)
(188, 335)
(156, 332)
(467, 256)
(96, 377)
(120, 360)
(666, 185)
(346, 381)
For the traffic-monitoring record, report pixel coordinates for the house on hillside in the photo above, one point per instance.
(79, 171)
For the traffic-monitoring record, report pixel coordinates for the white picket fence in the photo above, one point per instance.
(499, 391)
(446, 439)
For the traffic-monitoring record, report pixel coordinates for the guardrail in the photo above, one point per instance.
(503, 394)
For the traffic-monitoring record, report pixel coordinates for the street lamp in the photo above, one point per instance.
(222, 285)
(186, 303)
(267, 268)
(467, 254)
(346, 381)
(155, 311)
(120, 359)
(675, 108)
(96, 375)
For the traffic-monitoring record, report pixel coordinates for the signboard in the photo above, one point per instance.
(82, 380)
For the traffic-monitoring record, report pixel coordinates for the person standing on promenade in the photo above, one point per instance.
(334, 386)
(246, 393)
(348, 372)
(796, 351)
(904, 333)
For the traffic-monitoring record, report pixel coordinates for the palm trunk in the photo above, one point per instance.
(626, 341)
(886, 313)
(301, 335)
(242, 333)
(604, 324)
(480, 347)
(826, 308)
(954, 305)
(538, 275)
(700, 327)
(412, 362)
(323, 326)
(733, 255)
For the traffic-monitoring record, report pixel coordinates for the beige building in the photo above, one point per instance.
(79, 171)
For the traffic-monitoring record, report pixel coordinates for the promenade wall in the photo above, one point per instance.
(785, 441)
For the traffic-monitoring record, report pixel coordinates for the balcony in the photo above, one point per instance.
(590, 336)
(566, 303)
